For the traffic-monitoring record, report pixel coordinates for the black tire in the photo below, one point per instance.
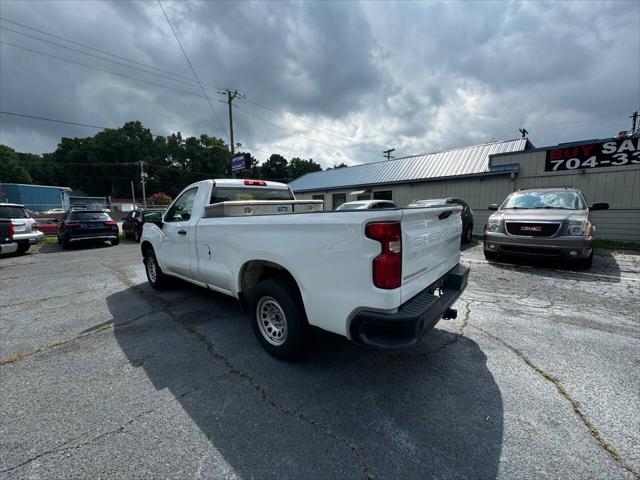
(585, 263)
(467, 234)
(490, 255)
(23, 248)
(282, 297)
(136, 235)
(115, 242)
(65, 245)
(155, 276)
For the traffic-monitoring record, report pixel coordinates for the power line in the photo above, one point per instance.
(100, 69)
(91, 48)
(191, 67)
(52, 120)
(190, 82)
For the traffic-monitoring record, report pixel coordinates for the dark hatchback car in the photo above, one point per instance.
(87, 226)
(133, 223)
(466, 214)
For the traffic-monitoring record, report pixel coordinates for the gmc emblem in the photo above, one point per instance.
(524, 228)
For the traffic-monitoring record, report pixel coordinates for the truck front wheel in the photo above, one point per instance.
(157, 279)
(278, 318)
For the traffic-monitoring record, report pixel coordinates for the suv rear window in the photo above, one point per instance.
(89, 216)
(13, 212)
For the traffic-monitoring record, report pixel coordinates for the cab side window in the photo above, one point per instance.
(181, 209)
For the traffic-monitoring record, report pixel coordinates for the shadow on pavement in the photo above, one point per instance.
(342, 411)
(605, 267)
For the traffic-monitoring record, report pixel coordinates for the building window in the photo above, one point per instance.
(339, 199)
(383, 195)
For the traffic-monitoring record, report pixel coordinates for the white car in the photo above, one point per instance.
(367, 205)
(381, 278)
(26, 231)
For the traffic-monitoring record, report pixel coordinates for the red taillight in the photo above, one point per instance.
(71, 225)
(387, 267)
(110, 223)
(256, 183)
(12, 230)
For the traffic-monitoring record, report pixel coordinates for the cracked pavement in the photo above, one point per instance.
(103, 377)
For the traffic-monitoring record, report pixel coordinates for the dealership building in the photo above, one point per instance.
(606, 170)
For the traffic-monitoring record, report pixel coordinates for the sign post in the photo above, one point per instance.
(238, 163)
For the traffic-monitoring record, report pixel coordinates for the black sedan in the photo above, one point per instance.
(133, 223)
(87, 226)
(466, 214)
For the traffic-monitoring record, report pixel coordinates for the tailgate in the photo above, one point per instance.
(430, 246)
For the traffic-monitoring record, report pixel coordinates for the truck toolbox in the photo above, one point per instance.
(262, 207)
(413, 319)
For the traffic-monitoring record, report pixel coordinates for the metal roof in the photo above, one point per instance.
(450, 163)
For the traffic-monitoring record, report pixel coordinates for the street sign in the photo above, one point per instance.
(238, 163)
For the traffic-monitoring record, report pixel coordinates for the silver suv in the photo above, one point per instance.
(25, 228)
(543, 222)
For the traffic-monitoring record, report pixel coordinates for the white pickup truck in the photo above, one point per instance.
(381, 278)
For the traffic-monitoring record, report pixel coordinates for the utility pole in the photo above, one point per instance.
(387, 153)
(231, 95)
(634, 122)
(133, 195)
(143, 175)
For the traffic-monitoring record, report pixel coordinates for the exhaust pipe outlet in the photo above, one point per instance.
(450, 314)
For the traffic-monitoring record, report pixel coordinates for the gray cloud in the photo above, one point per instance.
(415, 76)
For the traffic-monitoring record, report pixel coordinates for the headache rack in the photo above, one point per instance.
(247, 208)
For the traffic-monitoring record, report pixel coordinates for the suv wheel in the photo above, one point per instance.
(278, 318)
(585, 263)
(23, 247)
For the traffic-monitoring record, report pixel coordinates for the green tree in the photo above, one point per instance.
(11, 171)
(275, 168)
(299, 167)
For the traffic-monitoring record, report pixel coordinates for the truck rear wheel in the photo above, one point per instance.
(157, 279)
(278, 318)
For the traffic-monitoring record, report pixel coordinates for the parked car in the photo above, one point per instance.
(87, 226)
(55, 210)
(48, 226)
(369, 275)
(134, 221)
(367, 205)
(466, 214)
(25, 228)
(543, 222)
(7, 245)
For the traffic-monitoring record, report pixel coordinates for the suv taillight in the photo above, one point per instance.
(387, 267)
(71, 225)
(12, 230)
(110, 223)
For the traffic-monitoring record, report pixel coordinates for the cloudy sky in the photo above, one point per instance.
(337, 82)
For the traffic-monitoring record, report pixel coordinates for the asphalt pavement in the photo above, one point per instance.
(103, 377)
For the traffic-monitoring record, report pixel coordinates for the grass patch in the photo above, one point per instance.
(616, 245)
(49, 240)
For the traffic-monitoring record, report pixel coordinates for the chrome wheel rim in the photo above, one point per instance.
(272, 321)
(151, 269)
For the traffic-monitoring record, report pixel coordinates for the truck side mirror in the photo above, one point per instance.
(493, 206)
(153, 217)
(599, 206)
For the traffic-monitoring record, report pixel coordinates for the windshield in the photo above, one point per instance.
(351, 206)
(89, 216)
(429, 203)
(13, 212)
(563, 200)
(235, 194)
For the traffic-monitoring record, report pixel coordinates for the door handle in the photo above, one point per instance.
(182, 232)
(444, 215)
